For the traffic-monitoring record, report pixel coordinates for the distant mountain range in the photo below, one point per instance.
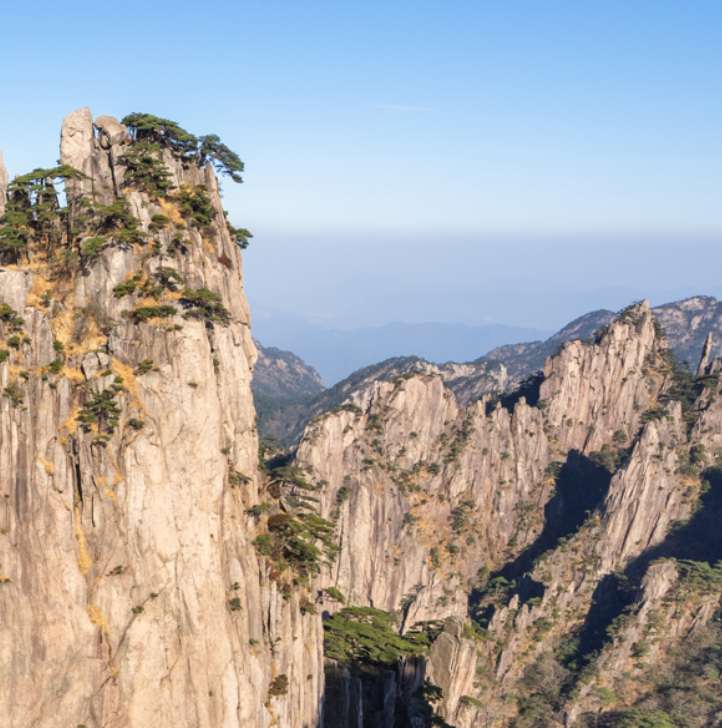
(336, 353)
(284, 418)
(686, 324)
(288, 392)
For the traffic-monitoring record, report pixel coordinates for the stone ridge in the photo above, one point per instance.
(519, 516)
(285, 420)
(542, 555)
(686, 325)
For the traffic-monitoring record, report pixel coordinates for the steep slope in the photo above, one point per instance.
(435, 552)
(687, 323)
(130, 593)
(529, 524)
(523, 359)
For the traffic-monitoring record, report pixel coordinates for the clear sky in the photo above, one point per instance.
(368, 126)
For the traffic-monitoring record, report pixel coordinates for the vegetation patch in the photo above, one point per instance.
(146, 313)
(364, 639)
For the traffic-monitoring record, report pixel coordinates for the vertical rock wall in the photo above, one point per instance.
(120, 561)
(428, 493)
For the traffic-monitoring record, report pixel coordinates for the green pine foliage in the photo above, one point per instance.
(116, 221)
(145, 169)
(33, 220)
(143, 314)
(169, 278)
(56, 366)
(102, 409)
(364, 639)
(196, 206)
(162, 132)
(205, 305)
(239, 235)
(125, 289)
(93, 246)
(14, 395)
(335, 594)
(9, 317)
(32, 213)
(158, 222)
(225, 161)
(295, 540)
(144, 367)
(149, 129)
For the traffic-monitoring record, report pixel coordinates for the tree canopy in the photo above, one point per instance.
(155, 130)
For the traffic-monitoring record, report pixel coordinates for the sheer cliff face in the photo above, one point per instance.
(130, 594)
(405, 461)
(562, 497)
(420, 472)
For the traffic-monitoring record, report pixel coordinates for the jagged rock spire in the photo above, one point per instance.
(3, 185)
(77, 138)
(704, 360)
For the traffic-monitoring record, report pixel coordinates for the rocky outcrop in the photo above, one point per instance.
(687, 323)
(594, 392)
(399, 467)
(533, 551)
(131, 594)
(524, 359)
(442, 509)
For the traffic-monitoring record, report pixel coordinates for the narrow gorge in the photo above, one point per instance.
(435, 552)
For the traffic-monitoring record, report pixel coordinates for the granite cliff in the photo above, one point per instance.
(130, 593)
(548, 535)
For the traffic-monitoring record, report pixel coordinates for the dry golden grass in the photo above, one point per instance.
(40, 287)
(97, 617)
(129, 382)
(49, 467)
(84, 560)
(170, 210)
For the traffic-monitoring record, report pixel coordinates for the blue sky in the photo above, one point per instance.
(376, 134)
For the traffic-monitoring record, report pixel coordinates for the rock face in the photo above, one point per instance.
(523, 359)
(526, 514)
(285, 418)
(686, 324)
(130, 594)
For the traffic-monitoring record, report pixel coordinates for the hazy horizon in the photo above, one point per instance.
(480, 163)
